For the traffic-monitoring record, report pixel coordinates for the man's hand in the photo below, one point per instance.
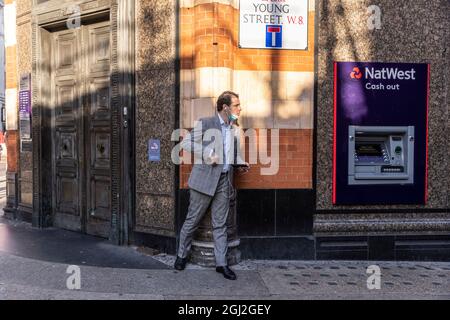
(213, 159)
(244, 169)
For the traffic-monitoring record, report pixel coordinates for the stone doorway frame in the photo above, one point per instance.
(51, 15)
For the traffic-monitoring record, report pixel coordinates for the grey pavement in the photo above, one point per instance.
(34, 267)
(24, 278)
(62, 246)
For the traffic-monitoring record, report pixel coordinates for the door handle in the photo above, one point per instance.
(101, 148)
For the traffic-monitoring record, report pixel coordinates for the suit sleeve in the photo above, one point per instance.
(193, 142)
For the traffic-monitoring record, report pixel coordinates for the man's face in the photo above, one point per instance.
(235, 107)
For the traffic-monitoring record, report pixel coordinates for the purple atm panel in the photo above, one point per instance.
(380, 146)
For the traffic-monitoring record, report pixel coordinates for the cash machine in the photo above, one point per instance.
(380, 144)
(380, 155)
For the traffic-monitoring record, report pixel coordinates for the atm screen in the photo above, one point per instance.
(369, 150)
(369, 153)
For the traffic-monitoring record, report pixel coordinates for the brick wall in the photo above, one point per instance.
(207, 41)
(294, 167)
(11, 145)
(11, 140)
(209, 36)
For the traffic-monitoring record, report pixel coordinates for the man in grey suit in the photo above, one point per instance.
(213, 140)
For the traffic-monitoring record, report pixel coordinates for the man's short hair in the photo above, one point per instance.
(225, 98)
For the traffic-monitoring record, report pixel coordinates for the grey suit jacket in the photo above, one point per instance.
(205, 138)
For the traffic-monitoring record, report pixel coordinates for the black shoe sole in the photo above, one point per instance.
(180, 264)
(226, 277)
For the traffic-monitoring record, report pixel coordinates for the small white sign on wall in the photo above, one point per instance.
(273, 24)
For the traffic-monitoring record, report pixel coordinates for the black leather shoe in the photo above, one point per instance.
(180, 263)
(227, 272)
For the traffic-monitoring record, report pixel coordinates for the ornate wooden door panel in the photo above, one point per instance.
(67, 105)
(82, 129)
(98, 129)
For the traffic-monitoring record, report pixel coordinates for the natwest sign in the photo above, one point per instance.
(377, 76)
(273, 24)
(383, 73)
(390, 73)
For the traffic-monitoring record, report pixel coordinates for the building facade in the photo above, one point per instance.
(2, 68)
(11, 95)
(108, 76)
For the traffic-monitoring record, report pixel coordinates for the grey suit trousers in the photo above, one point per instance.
(198, 204)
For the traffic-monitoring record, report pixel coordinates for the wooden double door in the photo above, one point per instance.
(81, 128)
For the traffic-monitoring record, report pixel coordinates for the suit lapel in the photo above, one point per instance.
(217, 122)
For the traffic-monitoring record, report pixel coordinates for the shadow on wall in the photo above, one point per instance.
(343, 27)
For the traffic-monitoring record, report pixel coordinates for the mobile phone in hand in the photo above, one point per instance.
(240, 165)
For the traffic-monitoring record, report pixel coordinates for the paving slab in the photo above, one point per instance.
(131, 281)
(20, 292)
(37, 270)
(350, 278)
(62, 246)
